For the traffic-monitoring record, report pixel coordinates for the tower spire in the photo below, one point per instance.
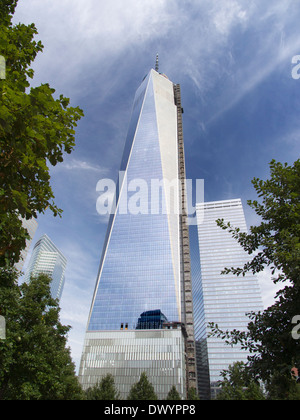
(157, 64)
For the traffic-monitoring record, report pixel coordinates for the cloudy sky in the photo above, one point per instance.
(233, 60)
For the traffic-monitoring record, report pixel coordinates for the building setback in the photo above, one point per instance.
(141, 316)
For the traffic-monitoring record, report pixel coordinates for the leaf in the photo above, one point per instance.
(35, 129)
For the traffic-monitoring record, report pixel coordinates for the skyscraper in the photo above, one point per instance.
(48, 259)
(221, 299)
(145, 268)
(31, 226)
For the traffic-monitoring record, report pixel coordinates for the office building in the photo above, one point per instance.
(222, 299)
(48, 259)
(31, 225)
(141, 317)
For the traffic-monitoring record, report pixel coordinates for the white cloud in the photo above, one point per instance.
(225, 15)
(212, 57)
(87, 37)
(268, 288)
(77, 34)
(80, 165)
(78, 291)
(261, 69)
(74, 312)
(292, 139)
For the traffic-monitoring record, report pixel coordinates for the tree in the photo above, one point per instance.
(283, 388)
(192, 394)
(173, 394)
(35, 363)
(142, 390)
(35, 131)
(274, 243)
(237, 385)
(104, 390)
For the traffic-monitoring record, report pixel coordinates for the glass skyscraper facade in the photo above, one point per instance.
(222, 299)
(144, 269)
(48, 259)
(31, 226)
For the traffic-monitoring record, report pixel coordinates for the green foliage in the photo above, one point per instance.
(7, 8)
(283, 387)
(35, 131)
(142, 390)
(105, 390)
(173, 394)
(35, 362)
(192, 394)
(238, 386)
(274, 243)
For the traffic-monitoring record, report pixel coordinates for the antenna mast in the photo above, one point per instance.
(157, 64)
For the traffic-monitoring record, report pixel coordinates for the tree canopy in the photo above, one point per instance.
(173, 394)
(35, 361)
(36, 129)
(142, 390)
(275, 243)
(236, 385)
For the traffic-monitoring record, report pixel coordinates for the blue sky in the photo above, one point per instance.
(233, 60)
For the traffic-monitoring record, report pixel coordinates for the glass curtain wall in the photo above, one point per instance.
(139, 270)
(222, 299)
